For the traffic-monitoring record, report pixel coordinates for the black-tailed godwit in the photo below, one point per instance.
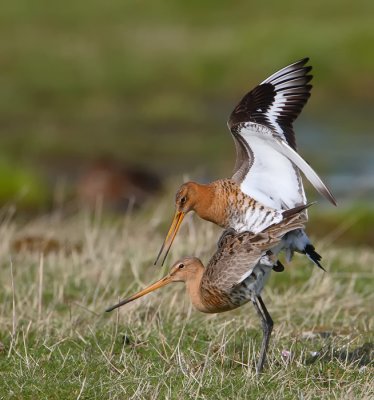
(266, 179)
(235, 275)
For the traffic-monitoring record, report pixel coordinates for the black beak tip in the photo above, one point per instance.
(159, 255)
(162, 263)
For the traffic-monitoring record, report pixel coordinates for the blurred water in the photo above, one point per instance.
(344, 155)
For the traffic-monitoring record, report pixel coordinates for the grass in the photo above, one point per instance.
(83, 79)
(57, 342)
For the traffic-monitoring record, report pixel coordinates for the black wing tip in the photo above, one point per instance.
(301, 65)
(298, 66)
(302, 61)
(263, 95)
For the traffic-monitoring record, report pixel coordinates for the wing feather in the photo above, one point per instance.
(235, 260)
(277, 101)
(274, 178)
(267, 165)
(308, 171)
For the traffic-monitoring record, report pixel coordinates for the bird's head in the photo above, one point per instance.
(187, 197)
(184, 270)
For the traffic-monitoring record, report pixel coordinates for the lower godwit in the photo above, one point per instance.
(266, 178)
(235, 275)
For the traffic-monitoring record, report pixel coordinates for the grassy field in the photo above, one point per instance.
(57, 342)
(152, 83)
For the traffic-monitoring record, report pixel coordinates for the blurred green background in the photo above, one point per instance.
(151, 83)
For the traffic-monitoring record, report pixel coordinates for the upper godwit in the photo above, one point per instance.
(235, 275)
(267, 177)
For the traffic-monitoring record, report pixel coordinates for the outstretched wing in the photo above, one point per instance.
(267, 166)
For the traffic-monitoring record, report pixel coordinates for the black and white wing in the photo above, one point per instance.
(267, 165)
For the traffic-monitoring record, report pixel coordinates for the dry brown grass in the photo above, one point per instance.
(57, 342)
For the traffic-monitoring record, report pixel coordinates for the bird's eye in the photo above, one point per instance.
(183, 199)
(180, 266)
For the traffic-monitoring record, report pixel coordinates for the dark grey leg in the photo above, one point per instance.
(267, 327)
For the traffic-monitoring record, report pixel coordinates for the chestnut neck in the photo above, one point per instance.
(210, 204)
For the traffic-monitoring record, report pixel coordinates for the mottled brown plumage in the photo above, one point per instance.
(223, 203)
(235, 275)
(268, 169)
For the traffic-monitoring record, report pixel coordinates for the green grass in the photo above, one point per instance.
(57, 342)
(347, 226)
(153, 83)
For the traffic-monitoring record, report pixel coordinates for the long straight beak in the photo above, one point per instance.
(162, 282)
(173, 230)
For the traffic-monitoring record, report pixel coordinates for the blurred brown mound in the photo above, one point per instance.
(45, 245)
(116, 185)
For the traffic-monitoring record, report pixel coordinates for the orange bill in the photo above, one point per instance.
(162, 282)
(173, 230)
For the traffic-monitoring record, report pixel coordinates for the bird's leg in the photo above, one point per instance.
(267, 327)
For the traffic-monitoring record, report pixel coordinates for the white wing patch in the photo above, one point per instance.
(273, 179)
(309, 172)
(273, 112)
